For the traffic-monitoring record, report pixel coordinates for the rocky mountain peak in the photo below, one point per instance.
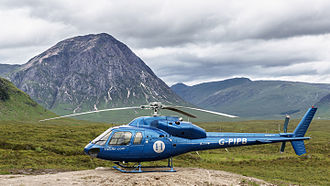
(90, 72)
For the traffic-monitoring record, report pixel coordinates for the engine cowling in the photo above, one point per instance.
(172, 125)
(182, 129)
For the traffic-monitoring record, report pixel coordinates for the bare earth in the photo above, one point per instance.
(108, 176)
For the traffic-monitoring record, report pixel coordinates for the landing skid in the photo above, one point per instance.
(139, 168)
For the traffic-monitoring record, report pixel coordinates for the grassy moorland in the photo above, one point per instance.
(33, 147)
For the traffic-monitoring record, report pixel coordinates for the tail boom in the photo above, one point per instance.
(216, 140)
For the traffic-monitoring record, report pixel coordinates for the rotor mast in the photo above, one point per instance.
(155, 106)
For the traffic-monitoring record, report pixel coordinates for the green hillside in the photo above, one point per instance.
(17, 105)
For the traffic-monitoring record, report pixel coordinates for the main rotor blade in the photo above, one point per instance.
(90, 112)
(179, 111)
(208, 111)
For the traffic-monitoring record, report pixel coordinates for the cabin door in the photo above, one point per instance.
(136, 147)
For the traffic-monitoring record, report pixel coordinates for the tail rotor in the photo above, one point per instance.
(285, 129)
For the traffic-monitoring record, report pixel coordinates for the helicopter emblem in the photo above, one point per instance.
(159, 146)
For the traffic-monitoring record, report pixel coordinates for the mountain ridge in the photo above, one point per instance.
(207, 88)
(90, 72)
(324, 107)
(5, 69)
(265, 99)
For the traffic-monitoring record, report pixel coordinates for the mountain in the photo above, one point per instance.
(90, 72)
(17, 105)
(6, 68)
(324, 107)
(254, 99)
(196, 94)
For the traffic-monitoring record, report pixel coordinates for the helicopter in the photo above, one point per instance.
(156, 137)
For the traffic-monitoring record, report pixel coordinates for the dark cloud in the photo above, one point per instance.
(184, 41)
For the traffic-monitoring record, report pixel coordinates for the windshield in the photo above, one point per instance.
(102, 139)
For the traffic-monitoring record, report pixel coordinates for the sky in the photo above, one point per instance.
(184, 41)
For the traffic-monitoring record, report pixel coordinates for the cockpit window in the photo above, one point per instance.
(138, 138)
(103, 138)
(120, 138)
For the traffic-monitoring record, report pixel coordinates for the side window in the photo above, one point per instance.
(120, 138)
(138, 138)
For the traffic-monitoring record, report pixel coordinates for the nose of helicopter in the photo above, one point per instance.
(91, 151)
(87, 148)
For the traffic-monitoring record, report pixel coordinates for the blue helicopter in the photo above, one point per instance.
(151, 138)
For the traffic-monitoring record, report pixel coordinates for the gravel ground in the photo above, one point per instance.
(108, 176)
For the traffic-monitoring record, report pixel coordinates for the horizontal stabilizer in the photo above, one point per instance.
(263, 141)
(275, 140)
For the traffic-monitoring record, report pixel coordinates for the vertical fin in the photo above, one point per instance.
(299, 147)
(300, 131)
(304, 123)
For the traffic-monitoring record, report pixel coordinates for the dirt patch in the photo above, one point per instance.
(36, 171)
(108, 176)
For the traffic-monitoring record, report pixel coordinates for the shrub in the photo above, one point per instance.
(3, 91)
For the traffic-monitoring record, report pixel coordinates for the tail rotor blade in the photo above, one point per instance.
(282, 147)
(285, 129)
(286, 122)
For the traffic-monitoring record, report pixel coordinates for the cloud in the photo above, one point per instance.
(279, 58)
(184, 41)
(21, 29)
